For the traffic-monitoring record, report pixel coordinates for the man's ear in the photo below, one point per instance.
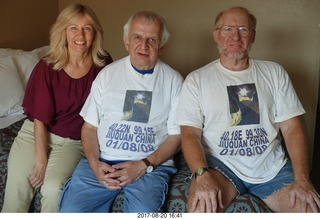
(161, 49)
(253, 37)
(126, 43)
(215, 34)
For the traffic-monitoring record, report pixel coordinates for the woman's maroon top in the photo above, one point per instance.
(56, 99)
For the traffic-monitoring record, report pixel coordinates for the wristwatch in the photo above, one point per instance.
(199, 171)
(148, 164)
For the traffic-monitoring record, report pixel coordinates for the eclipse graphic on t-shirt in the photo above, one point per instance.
(137, 106)
(244, 104)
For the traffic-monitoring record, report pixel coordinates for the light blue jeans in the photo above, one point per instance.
(262, 190)
(84, 193)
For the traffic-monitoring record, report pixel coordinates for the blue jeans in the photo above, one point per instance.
(83, 192)
(262, 190)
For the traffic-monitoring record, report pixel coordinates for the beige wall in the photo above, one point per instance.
(25, 24)
(288, 32)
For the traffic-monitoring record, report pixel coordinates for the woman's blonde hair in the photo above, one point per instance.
(58, 54)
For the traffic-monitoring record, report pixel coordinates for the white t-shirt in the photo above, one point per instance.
(239, 114)
(134, 113)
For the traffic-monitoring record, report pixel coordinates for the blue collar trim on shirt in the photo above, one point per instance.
(143, 72)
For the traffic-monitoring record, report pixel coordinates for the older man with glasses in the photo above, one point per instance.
(231, 114)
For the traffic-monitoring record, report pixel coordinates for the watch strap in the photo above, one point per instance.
(148, 164)
(199, 172)
(146, 161)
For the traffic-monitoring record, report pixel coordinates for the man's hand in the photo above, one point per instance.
(205, 194)
(101, 171)
(118, 175)
(127, 172)
(306, 194)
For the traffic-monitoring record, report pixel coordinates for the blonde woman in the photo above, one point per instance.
(48, 146)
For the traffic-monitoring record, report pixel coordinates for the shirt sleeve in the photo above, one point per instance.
(288, 104)
(92, 108)
(189, 112)
(38, 100)
(173, 128)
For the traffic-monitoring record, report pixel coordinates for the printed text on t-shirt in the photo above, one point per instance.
(252, 142)
(128, 137)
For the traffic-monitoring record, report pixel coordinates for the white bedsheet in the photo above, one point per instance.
(9, 120)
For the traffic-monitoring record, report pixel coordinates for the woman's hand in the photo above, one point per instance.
(38, 173)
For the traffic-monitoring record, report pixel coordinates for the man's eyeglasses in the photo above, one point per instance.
(228, 31)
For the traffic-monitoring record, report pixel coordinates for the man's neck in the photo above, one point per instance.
(235, 64)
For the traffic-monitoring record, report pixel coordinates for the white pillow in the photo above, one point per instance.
(11, 89)
(42, 51)
(9, 52)
(25, 64)
(26, 61)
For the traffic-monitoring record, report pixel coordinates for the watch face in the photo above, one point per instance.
(200, 171)
(149, 169)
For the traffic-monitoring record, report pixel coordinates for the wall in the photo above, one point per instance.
(25, 24)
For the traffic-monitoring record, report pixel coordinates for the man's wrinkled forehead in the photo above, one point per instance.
(233, 16)
(236, 14)
(146, 23)
(143, 19)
